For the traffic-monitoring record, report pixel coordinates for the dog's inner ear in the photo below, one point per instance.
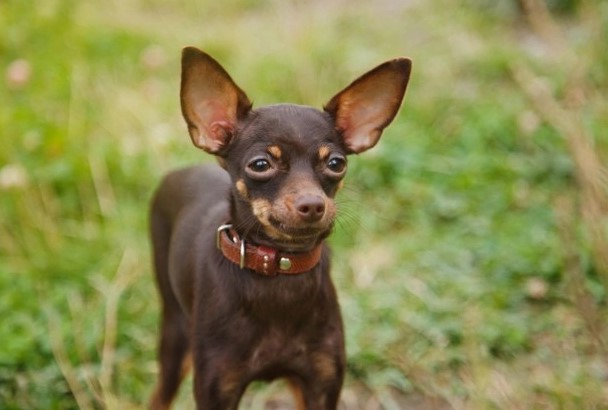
(211, 101)
(363, 109)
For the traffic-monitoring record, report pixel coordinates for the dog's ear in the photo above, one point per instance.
(211, 101)
(363, 109)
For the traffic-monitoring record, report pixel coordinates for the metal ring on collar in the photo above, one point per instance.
(242, 260)
(221, 229)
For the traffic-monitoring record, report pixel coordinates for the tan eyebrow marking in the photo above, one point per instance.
(275, 151)
(323, 152)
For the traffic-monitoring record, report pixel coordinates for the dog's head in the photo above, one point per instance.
(286, 161)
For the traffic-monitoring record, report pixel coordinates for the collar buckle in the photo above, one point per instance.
(261, 259)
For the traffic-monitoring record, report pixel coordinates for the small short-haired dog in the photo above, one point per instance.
(239, 252)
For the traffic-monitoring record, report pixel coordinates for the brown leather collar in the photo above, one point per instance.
(262, 259)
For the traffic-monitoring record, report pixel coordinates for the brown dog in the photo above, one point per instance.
(239, 252)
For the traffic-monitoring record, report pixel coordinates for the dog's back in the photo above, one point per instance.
(191, 201)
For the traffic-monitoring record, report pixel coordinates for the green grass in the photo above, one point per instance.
(455, 270)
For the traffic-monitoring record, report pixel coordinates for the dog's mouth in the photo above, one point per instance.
(283, 228)
(300, 233)
(279, 235)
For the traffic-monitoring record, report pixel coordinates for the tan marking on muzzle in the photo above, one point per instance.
(261, 209)
(242, 188)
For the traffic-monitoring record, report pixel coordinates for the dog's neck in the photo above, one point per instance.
(262, 259)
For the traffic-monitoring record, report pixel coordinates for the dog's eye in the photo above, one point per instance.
(337, 165)
(259, 165)
(260, 169)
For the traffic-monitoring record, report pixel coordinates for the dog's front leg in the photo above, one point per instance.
(319, 387)
(218, 383)
(315, 396)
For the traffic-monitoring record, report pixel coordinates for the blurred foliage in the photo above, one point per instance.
(448, 256)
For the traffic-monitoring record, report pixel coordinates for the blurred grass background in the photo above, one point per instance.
(471, 257)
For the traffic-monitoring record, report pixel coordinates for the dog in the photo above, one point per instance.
(241, 264)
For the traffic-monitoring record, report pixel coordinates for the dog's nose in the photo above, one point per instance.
(310, 208)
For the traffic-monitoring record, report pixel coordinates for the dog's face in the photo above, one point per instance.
(286, 161)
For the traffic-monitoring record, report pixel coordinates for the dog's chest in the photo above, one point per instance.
(275, 348)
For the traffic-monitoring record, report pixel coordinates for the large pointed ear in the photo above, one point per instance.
(363, 109)
(211, 102)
